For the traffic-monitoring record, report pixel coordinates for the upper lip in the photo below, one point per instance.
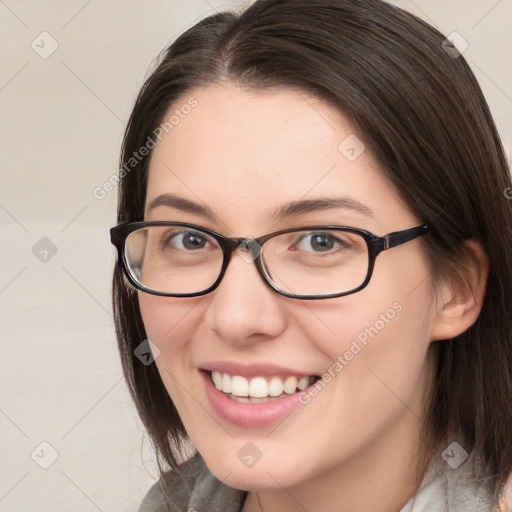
(253, 369)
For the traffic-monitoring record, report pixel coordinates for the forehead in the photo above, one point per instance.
(245, 153)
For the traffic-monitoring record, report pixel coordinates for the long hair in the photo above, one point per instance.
(422, 115)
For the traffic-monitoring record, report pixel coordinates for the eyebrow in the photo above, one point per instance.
(315, 205)
(180, 203)
(292, 209)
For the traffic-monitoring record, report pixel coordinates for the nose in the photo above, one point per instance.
(243, 308)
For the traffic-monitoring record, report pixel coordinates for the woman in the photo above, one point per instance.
(314, 236)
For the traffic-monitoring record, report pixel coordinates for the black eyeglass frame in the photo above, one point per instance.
(375, 244)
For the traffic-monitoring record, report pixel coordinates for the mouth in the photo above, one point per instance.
(256, 395)
(259, 389)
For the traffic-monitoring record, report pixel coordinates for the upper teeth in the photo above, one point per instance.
(258, 387)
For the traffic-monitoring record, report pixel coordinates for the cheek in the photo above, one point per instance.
(162, 316)
(359, 326)
(168, 325)
(376, 341)
(361, 339)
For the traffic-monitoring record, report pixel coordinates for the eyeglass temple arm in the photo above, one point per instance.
(400, 237)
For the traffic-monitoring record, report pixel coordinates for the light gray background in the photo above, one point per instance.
(61, 123)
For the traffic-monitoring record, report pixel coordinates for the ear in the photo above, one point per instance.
(461, 296)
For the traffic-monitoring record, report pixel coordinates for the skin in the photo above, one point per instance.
(244, 153)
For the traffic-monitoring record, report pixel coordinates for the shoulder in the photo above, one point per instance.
(506, 499)
(174, 488)
(191, 487)
(453, 488)
(155, 500)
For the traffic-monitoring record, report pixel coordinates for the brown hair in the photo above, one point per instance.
(424, 118)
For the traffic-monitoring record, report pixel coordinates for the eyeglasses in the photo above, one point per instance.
(174, 259)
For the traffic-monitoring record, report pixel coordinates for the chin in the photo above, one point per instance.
(239, 471)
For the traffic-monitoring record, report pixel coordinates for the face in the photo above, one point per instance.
(243, 155)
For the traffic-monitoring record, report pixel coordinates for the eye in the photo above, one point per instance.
(320, 242)
(187, 240)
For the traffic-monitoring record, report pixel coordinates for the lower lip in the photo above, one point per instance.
(249, 415)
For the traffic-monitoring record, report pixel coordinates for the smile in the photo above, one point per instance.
(259, 389)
